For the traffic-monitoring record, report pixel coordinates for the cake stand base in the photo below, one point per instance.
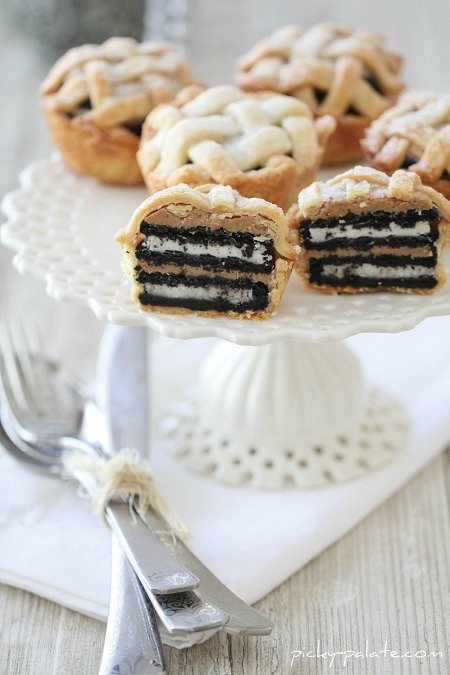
(286, 414)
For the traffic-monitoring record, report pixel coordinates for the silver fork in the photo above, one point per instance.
(45, 414)
(159, 572)
(132, 641)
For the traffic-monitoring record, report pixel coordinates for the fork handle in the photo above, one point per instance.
(132, 641)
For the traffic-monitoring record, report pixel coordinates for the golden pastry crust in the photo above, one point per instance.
(415, 131)
(335, 70)
(96, 97)
(362, 190)
(109, 156)
(265, 145)
(226, 204)
(344, 144)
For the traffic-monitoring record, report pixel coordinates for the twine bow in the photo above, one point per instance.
(124, 475)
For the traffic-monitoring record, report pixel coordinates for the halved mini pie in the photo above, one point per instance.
(335, 69)
(414, 135)
(207, 250)
(266, 146)
(366, 231)
(96, 97)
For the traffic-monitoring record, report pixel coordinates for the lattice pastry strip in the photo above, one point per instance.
(415, 133)
(224, 133)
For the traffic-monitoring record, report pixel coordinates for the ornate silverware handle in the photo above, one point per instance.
(155, 566)
(180, 612)
(242, 618)
(132, 641)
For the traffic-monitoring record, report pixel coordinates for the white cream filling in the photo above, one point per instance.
(321, 234)
(163, 245)
(235, 296)
(368, 270)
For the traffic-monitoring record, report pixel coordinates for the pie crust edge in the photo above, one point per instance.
(109, 156)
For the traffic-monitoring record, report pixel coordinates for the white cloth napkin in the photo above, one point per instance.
(52, 545)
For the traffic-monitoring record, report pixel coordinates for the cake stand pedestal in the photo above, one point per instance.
(282, 402)
(287, 414)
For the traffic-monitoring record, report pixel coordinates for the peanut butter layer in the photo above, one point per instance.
(222, 205)
(191, 271)
(368, 205)
(417, 252)
(182, 216)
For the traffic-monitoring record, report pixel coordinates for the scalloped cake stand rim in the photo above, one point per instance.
(181, 327)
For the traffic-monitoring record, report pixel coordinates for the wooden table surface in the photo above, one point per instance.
(386, 582)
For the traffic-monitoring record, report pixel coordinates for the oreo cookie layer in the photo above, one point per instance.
(202, 293)
(364, 272)
(200, 246)
(377, 218)
(384, 260)
(362, 231)
(423, 282)
(206, 262)
(364, 242)
(199, 305)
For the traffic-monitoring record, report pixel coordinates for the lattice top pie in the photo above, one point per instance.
(105, 91)
(415, 135)
(332, 68)
(266, 146)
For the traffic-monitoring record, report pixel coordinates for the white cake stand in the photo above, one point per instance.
(281, 402)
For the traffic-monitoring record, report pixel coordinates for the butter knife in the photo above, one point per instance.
(123, 400)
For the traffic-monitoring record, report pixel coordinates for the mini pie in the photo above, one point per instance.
(336, 70)
(207, 250)
(264, 146)
(364, 231)
(96, 97)
(414, 135)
